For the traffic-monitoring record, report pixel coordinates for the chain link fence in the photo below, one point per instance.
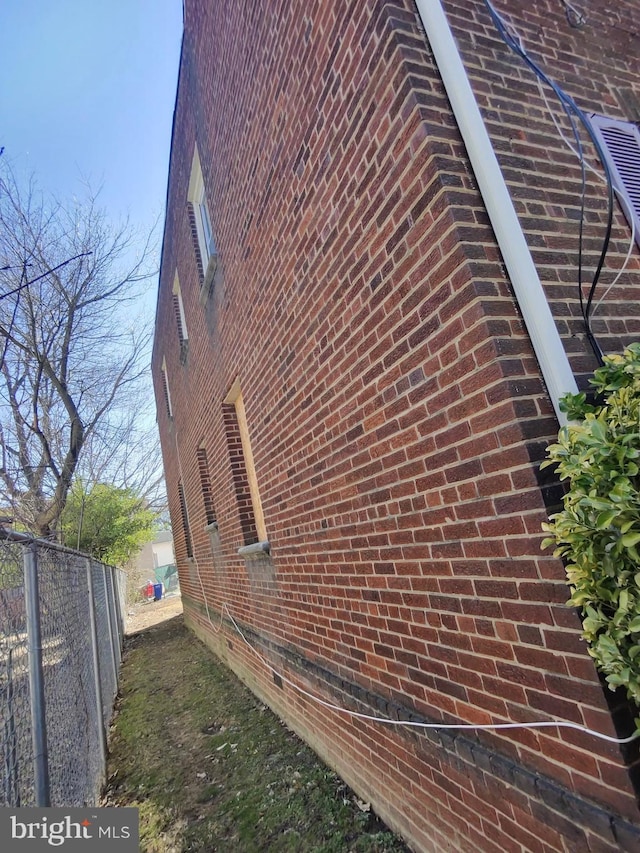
(61, 631)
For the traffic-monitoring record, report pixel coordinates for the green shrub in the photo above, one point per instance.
(598, 531)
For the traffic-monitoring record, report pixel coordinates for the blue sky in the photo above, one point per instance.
(87, 90)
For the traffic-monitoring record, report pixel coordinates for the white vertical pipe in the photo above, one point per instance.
(541, 327)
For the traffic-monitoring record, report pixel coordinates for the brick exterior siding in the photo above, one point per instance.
(396, 411)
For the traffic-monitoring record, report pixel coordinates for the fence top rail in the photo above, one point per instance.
(28, 539)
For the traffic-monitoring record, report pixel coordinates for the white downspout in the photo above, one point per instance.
(531, 298)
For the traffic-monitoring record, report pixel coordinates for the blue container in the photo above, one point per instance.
(157, 591)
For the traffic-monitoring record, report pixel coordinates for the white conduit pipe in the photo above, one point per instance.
(541, 327)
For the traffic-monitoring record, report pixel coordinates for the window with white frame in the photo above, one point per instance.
(200, 220)
(181, 322)
(620, 142)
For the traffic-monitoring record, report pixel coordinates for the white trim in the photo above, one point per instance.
(531, 297)
(196, 194)
(234, 398)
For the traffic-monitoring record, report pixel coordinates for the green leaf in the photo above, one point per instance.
(630, 539)
(598, 430)
(623, 601)
(592, 625)
(605, 518)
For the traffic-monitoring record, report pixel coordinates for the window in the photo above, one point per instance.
(181, 322)
(201, 230)
(620, 141)
(185, 521)
(205, 485)
(165, 389)
(243, 469)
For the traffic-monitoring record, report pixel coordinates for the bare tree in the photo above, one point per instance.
(130, 457)
(72, 350)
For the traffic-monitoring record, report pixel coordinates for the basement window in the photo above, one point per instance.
(620, 141)
(202, 233)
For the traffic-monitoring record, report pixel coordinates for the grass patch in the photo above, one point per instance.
(212, 769)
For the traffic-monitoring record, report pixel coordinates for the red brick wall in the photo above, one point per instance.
(595, 63)
(395, 409)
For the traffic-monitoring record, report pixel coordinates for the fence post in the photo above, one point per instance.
(113, 620)
(115, 579)
(12, 788)
(110, 626)
(122, 600)
(102, 732)
(36, 677)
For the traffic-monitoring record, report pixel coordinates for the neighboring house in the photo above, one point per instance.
(162, 549)
(352, 409)
(154, 555)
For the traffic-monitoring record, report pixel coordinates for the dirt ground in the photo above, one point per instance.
(149, 613)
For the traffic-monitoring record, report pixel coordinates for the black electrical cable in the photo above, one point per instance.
(571, 109)
(13, 318)
(572, 112)
(17, 267)
(44, 275)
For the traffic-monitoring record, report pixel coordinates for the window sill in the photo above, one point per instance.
(211, 528)
(256, 549)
